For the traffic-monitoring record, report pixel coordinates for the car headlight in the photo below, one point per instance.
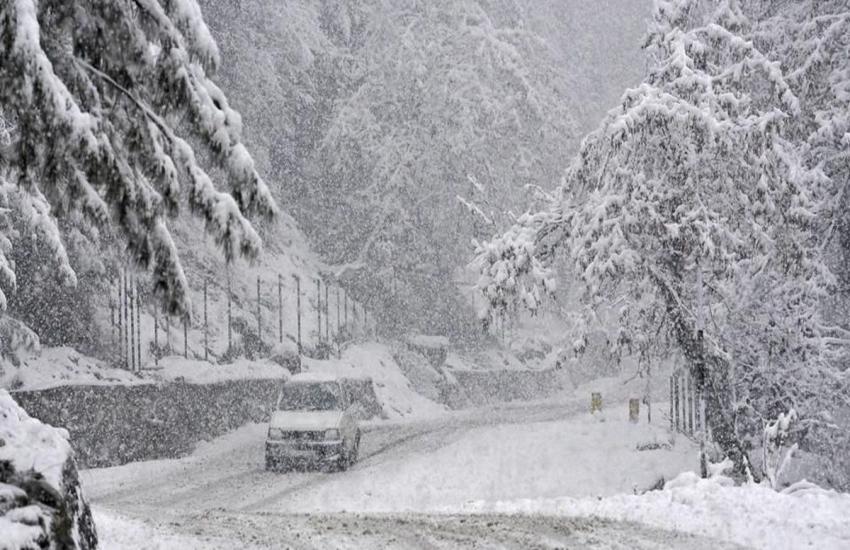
(332, 435)
(275, 433)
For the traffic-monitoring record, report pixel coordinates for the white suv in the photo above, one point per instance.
(313, 423)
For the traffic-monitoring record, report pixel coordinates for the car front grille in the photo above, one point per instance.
(302, 436)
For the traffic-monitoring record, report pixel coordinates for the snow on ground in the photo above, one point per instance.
(61, 366)
(802, 516)
(66, 367)
(203, 372)
(394, 391)
(119, 533)
(486, 461)
(584, 456)
(27, 444)
(31, 445)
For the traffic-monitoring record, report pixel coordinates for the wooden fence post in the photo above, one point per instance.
(126, 336)
(259, 314)
(206, 325)
(327, 317)
(111, 320)
(690, 405)
(298, 308)
(118, 286)
(671, 404)
(138, 321)
(279, 309)
(132, 324)
(155, 335)
(186, 336)
(229, 314)
(676, 382)
(319, 311)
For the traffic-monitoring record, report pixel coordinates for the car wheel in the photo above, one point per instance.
(344, 460)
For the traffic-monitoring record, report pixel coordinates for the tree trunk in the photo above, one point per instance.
(711, 374)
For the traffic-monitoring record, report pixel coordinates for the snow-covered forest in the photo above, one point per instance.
(477, 217)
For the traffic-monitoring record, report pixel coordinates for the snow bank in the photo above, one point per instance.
(375, 360)
(202, 372)
(753, 515)
(30, 445)
(428, 341)
(62, 366)
(120, 533)
(41, 502)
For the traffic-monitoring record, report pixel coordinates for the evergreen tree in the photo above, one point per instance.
(103, 96)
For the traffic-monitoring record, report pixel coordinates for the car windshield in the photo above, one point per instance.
(310, 397)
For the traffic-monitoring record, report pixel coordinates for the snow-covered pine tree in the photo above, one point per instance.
(692, 214)
(103, 96)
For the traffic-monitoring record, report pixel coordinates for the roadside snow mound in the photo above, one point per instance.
(61, 366)
(801, 516)
(41, 503)
(195, 371)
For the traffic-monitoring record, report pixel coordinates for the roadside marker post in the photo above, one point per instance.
(634, 410)
(595, 402)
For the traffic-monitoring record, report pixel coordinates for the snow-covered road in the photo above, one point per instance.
(408, 474)
(229, 472)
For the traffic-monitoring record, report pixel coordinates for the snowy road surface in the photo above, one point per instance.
(232, 531)
(408, 474)
(221, 496)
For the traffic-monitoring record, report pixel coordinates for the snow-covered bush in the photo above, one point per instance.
(777, 450)
(41, 502)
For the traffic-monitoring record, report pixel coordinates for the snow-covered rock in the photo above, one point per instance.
(41, 502)
(286, 355)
